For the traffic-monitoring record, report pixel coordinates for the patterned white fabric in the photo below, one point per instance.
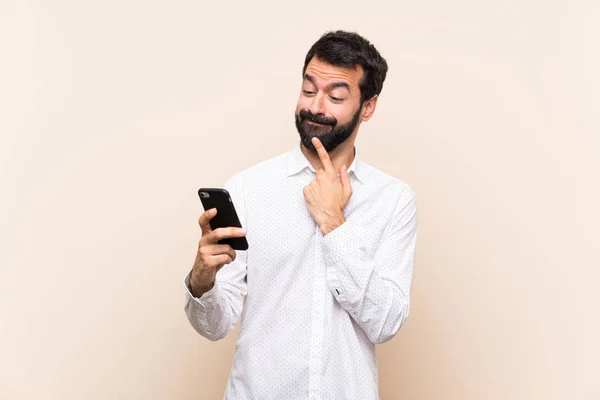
(314, 305)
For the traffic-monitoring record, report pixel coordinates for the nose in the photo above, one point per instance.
(317, 104)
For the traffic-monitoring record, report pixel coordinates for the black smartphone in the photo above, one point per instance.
(226, 214)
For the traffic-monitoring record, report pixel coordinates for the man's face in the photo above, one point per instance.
(329, 104)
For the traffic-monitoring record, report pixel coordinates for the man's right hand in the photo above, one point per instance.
(211, 256)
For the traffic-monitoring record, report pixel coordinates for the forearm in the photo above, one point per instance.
(372, 281)
(197, 289)
(214, 313)
(375, 304)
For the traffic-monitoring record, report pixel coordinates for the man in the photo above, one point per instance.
(331, 247)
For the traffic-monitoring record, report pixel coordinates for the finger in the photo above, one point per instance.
(221, 250)
(226, 233)
(306, 192)
(216, 249)
(222, 259)
(205, 218)
(345, 179)
(325, 160)
(226, 249)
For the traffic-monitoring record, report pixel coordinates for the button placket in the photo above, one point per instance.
(316, 348)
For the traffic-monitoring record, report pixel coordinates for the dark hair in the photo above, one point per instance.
(349, 49)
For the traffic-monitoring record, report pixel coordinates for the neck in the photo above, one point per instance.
(341, 155)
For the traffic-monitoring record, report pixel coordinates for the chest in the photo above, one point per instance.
(281, 229)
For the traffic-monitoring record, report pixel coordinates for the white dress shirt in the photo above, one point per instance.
(314, 305)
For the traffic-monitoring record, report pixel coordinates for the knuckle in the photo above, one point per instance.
(203, 260)
(224, 259)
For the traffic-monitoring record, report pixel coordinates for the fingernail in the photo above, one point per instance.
(242, 231)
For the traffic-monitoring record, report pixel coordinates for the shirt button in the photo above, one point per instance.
(209, 300)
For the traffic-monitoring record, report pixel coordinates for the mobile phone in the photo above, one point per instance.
(226, 215)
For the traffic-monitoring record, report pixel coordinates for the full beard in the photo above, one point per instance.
(327, 130)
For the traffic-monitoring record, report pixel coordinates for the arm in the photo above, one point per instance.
(215, 312)
(375, 292)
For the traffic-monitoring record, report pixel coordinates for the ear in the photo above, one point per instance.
(369, 108)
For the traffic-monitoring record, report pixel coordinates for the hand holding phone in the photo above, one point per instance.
(226, 214)
(221, 235)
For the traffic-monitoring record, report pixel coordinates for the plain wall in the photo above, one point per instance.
(113, 115)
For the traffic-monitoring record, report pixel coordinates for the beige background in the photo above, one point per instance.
(111, 117)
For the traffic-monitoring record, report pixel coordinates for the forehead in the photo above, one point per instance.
(328, 73)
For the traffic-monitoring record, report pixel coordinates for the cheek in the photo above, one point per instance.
(303, 103)
(342, 113)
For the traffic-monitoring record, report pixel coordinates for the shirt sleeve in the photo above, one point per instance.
(376, 291)
(217, 311)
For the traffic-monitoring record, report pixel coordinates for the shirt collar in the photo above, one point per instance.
(298, 162)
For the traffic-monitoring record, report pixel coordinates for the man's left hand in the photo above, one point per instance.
(327, 196)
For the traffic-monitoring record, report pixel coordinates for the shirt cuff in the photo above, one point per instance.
(207, 298)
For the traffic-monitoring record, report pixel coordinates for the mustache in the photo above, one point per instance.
(319, 118)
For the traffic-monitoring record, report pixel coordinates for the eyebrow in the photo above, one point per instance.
(333, 85)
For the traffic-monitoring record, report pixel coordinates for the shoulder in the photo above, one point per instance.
(388, 185)
(396, 196)
(260, 172)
